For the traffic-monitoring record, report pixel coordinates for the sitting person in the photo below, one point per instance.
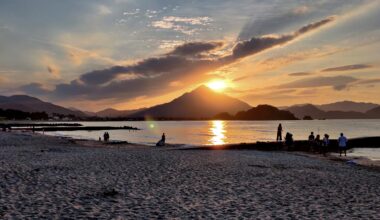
(161, 142)
(288, 140)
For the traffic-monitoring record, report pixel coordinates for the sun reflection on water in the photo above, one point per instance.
(217, 130)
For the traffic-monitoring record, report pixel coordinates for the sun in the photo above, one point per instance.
(217, 85)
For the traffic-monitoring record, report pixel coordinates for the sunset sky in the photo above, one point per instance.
(129, 54)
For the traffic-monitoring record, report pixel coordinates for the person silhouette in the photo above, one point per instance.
(161, 142)
(325, 144)
(342, 142)
(311, 141)
(279, 133)
(163, 138)
(289, 140)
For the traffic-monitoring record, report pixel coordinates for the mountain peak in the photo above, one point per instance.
(23, 98)
(202, 89)
(200, 103)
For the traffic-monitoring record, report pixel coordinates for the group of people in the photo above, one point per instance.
(288, 137)
(316, 144)
(106, 136)
(160, 143)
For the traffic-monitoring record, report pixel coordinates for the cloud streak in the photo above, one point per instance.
(347, 68)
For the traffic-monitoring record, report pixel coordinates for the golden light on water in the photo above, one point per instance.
(217, 130)
(217, 85)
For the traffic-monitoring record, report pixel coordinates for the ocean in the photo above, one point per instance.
(225, 132)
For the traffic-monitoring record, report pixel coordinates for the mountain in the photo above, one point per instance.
(348, 106)
(265, 112)
(114, 113)
(31, 104)
(374, 113)
(201, 103)
(300, 111)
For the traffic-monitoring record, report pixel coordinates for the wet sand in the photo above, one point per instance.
(49, 177)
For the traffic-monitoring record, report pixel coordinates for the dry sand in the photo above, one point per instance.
(48, 177)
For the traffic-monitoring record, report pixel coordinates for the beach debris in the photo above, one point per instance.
(109, 192)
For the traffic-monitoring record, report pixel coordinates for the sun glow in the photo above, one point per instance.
(217, 132)
(217, 85)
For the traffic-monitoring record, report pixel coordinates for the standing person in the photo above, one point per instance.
(317, 143)
(311, 140)
(279, 133)
(342, 142)
(325, 144)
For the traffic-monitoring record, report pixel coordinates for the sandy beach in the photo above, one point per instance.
(54, 178)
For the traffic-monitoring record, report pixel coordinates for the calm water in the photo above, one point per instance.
(222, 132)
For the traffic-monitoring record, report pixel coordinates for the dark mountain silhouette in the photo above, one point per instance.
(114, 113)
(201, 103)
(300, 111)
(265, 112)
(31, 104)
(374, 113)
(345, 115)
(348, 106)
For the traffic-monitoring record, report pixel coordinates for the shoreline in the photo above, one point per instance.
(364, 142)
(51, 177)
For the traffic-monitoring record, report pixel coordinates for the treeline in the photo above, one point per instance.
(261, 112)
(10, 114)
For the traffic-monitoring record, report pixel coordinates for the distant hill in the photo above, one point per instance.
(300, 111)
(265, 112)
(348, 106)
(31, 104)
(114, 113)
(374, 113)
(201, 103)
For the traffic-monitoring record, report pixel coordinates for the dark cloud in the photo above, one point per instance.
(313, 26)
(258, 44)
(195, 48)
(285, 20)
(102, 76)
(336, 82)
(300, 74)
(34, 88)
(347, 68)
(184, 64)
(274, 24)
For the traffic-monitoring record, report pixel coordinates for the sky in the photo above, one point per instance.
(128, 54)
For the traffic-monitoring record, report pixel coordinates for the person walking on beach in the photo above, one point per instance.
(342, 142)
(279, 133)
